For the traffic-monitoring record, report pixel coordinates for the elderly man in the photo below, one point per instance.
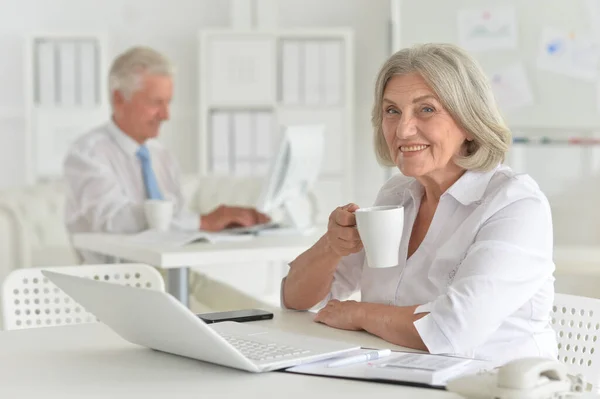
(113, 169)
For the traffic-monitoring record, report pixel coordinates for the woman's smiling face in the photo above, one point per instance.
(421, 135)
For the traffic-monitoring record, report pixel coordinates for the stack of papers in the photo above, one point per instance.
(416, 368)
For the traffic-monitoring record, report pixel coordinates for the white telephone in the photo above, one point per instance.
(528, 378)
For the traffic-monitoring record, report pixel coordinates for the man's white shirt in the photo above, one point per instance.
(105, 188)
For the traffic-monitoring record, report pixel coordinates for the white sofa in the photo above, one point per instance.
(32, 231)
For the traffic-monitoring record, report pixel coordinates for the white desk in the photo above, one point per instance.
(91, 361)
(177, 260)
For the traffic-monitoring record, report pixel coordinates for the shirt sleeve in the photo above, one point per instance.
(509, 261)
(95, 191)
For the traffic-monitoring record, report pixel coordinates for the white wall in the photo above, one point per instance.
(172, 27)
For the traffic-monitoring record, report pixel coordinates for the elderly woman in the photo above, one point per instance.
(475, 263)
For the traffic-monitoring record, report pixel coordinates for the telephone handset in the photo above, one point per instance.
(528, 378)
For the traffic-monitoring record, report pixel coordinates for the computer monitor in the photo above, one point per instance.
(292, 175)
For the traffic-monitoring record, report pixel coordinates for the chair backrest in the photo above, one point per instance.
(582, 280)
(31, 300)
(576, 320)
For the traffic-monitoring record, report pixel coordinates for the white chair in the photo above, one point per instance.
(30, 300)
(576, 320)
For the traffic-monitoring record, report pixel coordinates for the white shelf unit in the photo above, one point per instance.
(65, 94)
(254, 83)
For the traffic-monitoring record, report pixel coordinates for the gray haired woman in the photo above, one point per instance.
(474, 275)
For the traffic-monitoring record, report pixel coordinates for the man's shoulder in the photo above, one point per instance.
(91, 139)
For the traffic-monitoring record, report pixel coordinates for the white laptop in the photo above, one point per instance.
(157, 320)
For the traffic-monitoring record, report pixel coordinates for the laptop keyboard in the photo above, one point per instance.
(260, 351)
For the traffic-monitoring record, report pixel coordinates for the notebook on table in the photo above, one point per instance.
(401, 367)
(178, 238)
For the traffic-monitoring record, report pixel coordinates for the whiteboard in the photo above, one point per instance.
(560, 102)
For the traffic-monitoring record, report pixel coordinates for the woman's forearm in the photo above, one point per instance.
(310, 276)
(395, 324)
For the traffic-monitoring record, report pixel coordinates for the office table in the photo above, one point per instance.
(91, 361)
(177, 260)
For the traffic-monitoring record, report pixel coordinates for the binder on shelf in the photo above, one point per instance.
(263, 131)
(291, 79)
(243, 136)
(333, 72)
(88, 73)
(220, 142)
(312, 78)
(45, 87)
(67, 73)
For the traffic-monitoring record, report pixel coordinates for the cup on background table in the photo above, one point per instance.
(159, 214)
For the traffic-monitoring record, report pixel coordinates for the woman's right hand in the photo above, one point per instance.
(342, 234)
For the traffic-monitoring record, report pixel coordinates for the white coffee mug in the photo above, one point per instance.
(159, 214)
(380, 229)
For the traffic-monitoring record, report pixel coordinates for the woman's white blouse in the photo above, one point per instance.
(484, 271)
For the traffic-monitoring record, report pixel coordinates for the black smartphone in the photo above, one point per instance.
(236, 315)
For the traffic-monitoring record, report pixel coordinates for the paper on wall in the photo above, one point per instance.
(569, 54)
(486, 29)
(511, 87)
(592, 10)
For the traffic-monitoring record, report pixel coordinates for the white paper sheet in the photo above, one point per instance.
(511, 87)
(568, 53)
(486, 29)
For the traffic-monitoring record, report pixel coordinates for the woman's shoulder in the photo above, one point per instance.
(507, 186)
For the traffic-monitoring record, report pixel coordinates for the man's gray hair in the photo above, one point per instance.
(464, 91)
(126, 72)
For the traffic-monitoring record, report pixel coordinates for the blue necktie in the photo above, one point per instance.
(152, 190)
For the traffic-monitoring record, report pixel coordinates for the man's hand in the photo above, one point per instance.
(225, 216)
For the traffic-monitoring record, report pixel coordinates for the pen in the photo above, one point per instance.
(360, 358)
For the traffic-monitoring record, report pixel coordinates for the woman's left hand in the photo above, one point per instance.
(343, 315)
